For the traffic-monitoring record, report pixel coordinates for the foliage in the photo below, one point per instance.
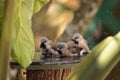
(38, 4)
(100, 61)
(5, 37)
(1, 14)
(22, 39)
(15, 33)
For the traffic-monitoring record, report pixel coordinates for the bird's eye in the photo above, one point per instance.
(76, 38)
(44, 41)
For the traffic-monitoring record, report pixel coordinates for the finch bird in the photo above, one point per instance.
(80, 43)
(62, 49)
(47, 47)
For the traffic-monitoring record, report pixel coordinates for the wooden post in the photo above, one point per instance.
(50, 74)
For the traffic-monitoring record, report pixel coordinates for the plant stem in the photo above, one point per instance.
(5, 46)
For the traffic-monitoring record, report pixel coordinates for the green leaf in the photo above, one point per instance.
(38, 5)
(22, 39)
(98, 64)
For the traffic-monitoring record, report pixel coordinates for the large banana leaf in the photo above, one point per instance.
(22, 39)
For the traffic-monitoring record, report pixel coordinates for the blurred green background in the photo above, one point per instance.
(105, 23)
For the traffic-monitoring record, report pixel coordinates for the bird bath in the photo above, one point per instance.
(49, 68)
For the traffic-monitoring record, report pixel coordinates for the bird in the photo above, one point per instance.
(77, 37)
(62, 49)
(47, 47)
(80, 42)
(73, 47)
